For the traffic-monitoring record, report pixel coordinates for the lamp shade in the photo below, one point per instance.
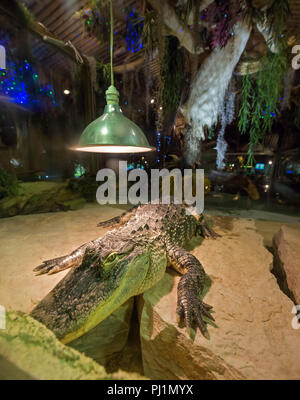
(113, 132)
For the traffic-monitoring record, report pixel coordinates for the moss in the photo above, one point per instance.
(25, 15)
(38, 197)
(85, 186)
(9, 185)
(32, 348)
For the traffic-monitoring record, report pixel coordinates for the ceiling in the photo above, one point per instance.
(58, 16)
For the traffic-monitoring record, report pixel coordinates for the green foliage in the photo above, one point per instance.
(261, 93)
(270, 83)
(172, 67)
(277, 15)
(260, 98)
(27, 16)
(211, 132)
(103, 71)
(150, 34)
(86, 186)
(19, 11)
(96, 19)
(297, 117)
(245, 109)
(9, 185)
(99, 3)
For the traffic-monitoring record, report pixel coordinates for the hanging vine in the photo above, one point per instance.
(245, 109)
(172, 66)
(277, 15)
(261, 98)
(95, 18)
(150, 33)
(103, 73)
(261, 93)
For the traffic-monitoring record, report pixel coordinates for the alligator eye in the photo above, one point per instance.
(111, 257)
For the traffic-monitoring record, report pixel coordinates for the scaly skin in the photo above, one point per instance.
(124, 263)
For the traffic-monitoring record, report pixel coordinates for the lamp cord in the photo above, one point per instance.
(111, 44)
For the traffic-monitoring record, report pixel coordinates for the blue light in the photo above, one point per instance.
(133, 32)
(20, 83)
(260, 166)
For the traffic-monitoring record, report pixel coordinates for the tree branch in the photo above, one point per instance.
(176, 27)
(120, 69)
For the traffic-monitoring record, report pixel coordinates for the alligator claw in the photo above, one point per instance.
(208, 233)
(195, 313)
(49, 266)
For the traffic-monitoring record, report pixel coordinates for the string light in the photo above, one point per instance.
(20, 83)
(134, 29)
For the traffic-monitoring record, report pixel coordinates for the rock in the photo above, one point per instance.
(10, 206)
(75, 204)
(109, 337)
(28, 350)
(38, 197)
(287, 262)
(254, 338)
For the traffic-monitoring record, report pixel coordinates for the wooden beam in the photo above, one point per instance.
(46, 12)
(120, 69)
(48, 37)
(39, 30)
(67, 19)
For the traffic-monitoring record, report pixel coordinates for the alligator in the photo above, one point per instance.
(126, 261)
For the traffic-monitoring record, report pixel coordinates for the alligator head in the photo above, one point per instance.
(117, 267)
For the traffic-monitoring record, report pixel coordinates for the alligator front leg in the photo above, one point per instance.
(204, 230)
(58, 264)
(190, 308)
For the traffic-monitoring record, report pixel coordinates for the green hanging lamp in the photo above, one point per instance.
(113, 132)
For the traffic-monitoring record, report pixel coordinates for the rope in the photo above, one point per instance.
(79, 59)
(111, 44)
